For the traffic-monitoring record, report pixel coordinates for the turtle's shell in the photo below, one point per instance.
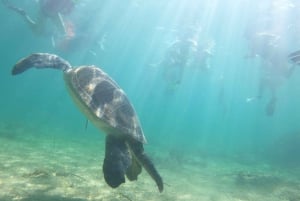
(103, 102)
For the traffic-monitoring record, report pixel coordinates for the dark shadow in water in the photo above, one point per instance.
(43, 197)
(257, 181)
(39, 196)
(8, 134)
(285, 150)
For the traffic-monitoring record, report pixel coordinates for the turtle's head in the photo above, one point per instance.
(39, 61)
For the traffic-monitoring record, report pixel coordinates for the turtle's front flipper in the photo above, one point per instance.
(116, 162)
(138, 150)
(40, 60)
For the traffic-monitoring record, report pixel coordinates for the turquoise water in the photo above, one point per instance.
(213, 114)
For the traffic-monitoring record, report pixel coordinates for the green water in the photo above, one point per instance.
(207, 116)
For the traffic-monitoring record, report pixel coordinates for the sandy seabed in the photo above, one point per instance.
(49, 167)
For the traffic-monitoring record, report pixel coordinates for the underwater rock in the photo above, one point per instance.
(10, 130)
(258, 180)
(39, 173)
(42, 173)
(290, 195)
(285, 150)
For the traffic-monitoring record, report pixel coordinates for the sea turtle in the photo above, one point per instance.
(106, 105)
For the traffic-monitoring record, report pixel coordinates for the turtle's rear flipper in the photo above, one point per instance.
(138, 150)
(134, 170)
(294, 57)
(116, 162)
(40, 60)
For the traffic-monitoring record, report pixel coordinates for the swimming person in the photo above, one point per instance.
(271, 46)
(175, 60)
(53, 10)
(185, 52)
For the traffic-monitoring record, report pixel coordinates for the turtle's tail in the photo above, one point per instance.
(40, 60)
(138, 150)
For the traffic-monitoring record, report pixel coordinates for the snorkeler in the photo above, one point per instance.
(269, 42)
(175, 60)
(200, 56)
(53, 10)
(185, 52)
(270, 37)
(275, 69)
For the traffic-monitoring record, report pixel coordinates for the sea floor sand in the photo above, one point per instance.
(48, 167)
